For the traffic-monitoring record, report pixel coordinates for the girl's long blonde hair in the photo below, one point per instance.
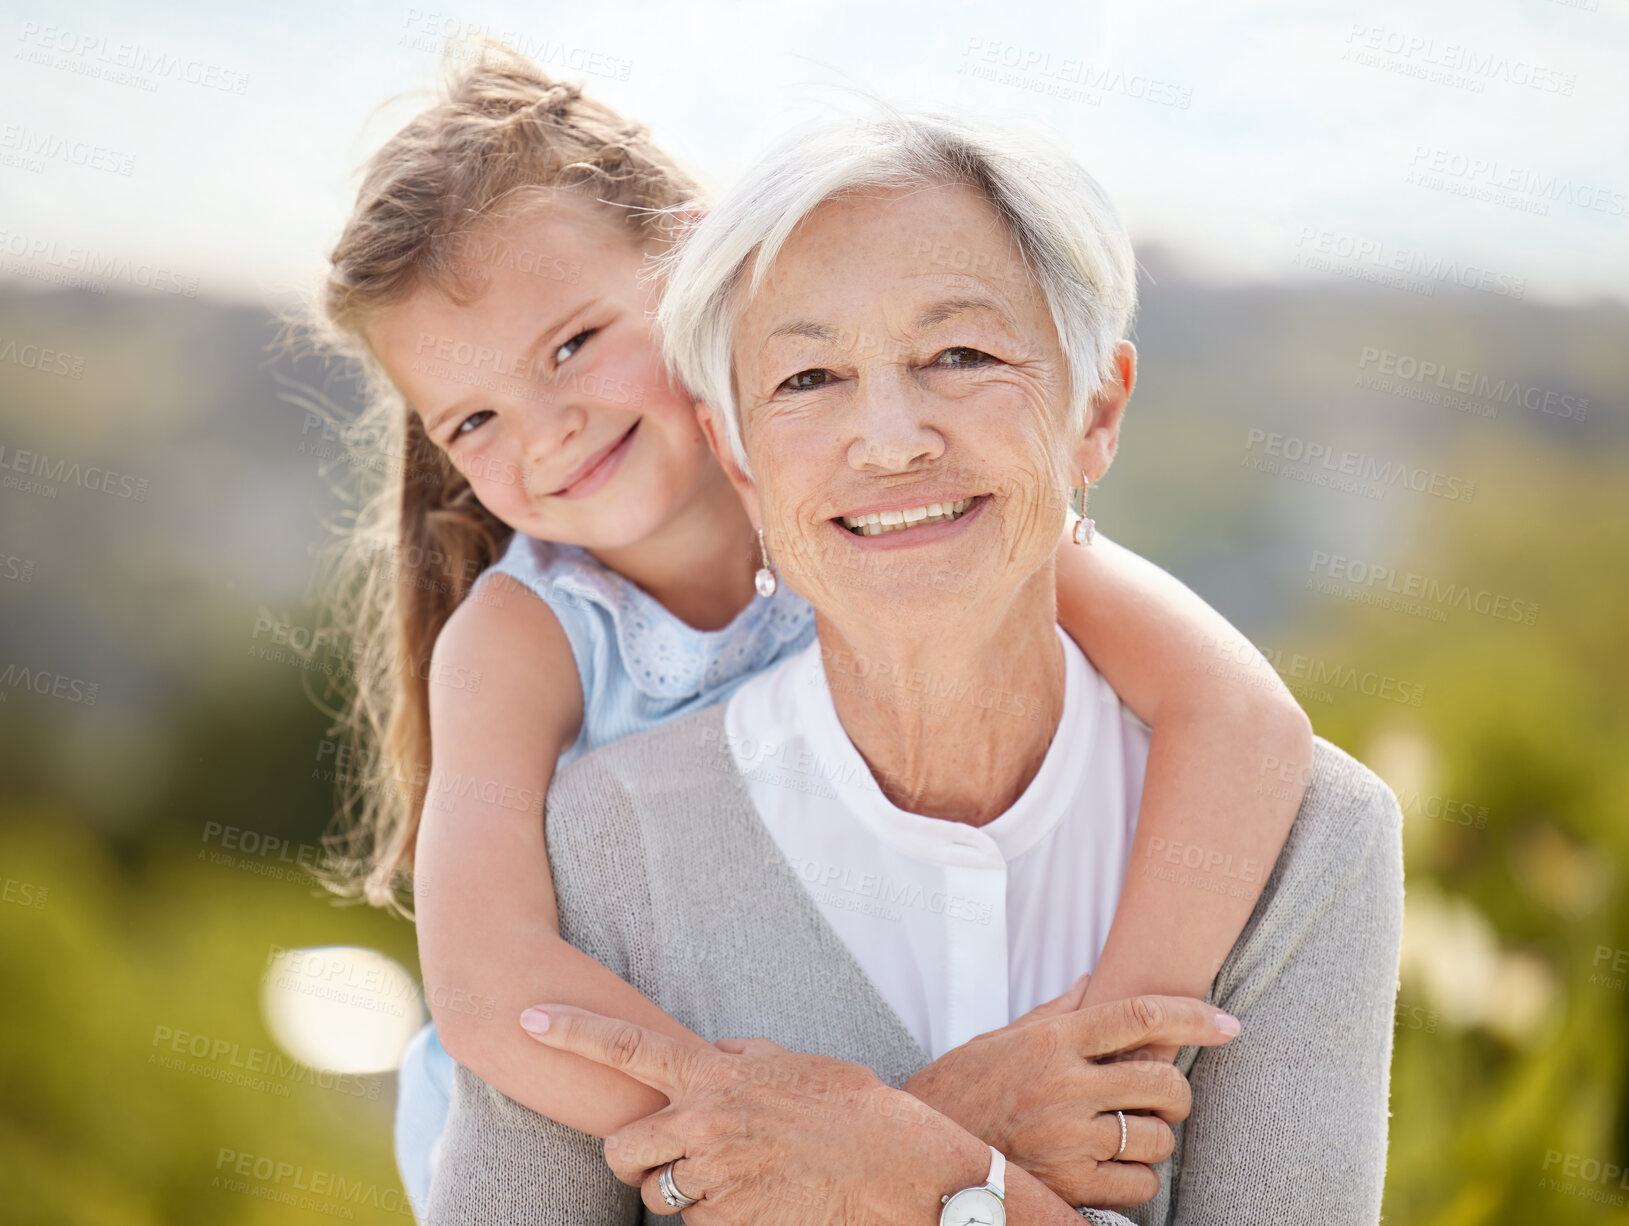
(433, 201)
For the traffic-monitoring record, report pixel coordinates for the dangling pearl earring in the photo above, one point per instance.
(765, 580)
(1085, 529)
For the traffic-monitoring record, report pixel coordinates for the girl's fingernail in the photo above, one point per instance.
(1227, 1023)
(537, 1022)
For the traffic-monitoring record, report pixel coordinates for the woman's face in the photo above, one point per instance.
(547, 389)
(904, 409)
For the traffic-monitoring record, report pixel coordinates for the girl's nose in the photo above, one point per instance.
(549, 428)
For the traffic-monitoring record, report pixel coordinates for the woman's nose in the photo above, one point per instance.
(891, 431)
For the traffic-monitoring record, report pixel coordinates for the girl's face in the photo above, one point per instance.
(547, 391)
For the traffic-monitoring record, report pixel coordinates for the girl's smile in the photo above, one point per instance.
(589, 476)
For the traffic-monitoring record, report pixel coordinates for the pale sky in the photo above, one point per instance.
(1243, 135)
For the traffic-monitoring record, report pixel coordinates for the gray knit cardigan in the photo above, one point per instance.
(665, 873)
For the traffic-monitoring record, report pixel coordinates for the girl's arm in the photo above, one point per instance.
(488, 927)
(1226, 767)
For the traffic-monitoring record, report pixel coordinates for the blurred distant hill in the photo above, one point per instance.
(154, 598)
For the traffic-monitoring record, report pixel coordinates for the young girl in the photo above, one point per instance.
(489, 278)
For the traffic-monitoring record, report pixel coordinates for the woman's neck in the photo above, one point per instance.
(699, 564)
(954, 724)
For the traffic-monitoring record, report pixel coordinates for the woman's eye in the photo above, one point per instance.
(807, 379)
(571, 346)
(471, 423)
(960, 356)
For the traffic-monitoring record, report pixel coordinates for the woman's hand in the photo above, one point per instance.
(764, 1134)
(1037, 1090)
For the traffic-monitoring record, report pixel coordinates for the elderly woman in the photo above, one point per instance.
(909, 339)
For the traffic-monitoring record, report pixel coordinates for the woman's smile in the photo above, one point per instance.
(900, 527)
(894, 519)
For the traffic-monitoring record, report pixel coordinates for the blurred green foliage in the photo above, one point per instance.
(109, 957)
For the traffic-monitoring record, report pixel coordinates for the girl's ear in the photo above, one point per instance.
(712, 425)
(684, 219)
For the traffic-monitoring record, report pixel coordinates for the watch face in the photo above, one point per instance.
(974, 1207)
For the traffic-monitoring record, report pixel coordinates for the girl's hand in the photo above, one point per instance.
(764, 1134)
(1044, 1091)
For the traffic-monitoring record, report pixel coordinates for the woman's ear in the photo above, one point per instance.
(1102, 437)
(712, 425)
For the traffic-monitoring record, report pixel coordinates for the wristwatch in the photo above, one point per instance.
(984, 1205)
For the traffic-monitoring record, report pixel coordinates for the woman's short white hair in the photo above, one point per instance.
(1056, 213)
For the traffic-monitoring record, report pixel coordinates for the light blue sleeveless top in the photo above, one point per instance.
(640, 666)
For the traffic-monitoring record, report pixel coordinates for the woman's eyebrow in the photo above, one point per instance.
(805, 328)
(945, 308)
(933, 313)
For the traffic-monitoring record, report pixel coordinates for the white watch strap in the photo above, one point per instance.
(998, 1172)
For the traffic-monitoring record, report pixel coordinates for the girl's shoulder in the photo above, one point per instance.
(619, 632)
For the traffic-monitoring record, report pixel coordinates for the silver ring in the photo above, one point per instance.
(678, 1200)
(1122, 1148)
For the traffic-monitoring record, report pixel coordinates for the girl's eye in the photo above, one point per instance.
(571, 346)
(471, 423)
(805, 380)
(961, 357)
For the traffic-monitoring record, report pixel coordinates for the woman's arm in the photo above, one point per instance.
(488, 927)
(1314, 981)
(1226, 761)
(763, 1134)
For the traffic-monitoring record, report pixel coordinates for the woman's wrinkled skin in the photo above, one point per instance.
(879, 371)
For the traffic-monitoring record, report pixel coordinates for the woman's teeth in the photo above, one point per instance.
(879, 522)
